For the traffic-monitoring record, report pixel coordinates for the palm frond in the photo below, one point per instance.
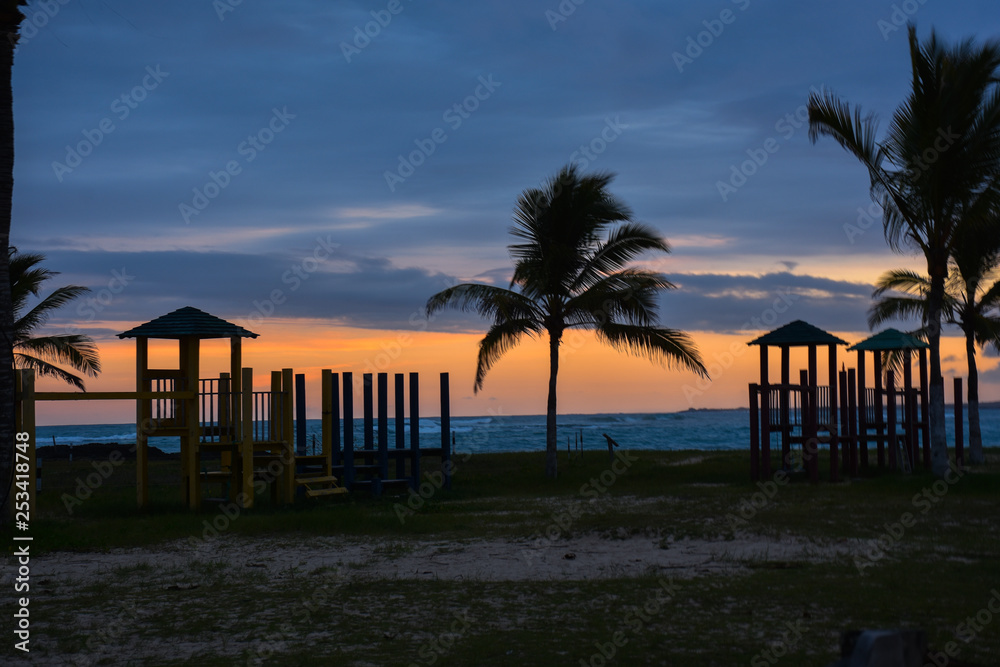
(669, 347)
(501, 337)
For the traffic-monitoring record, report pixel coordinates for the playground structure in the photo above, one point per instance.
(258, 438)
(844, 414)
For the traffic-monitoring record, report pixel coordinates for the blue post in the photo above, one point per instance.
(445, 431)
(414, 430)
(348, 429)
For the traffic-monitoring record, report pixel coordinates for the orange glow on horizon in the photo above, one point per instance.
(593, 378)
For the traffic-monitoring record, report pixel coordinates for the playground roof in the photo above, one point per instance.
(188, 321)
(890, 339)
(797, 333)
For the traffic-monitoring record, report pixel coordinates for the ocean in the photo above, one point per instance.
(691, 429)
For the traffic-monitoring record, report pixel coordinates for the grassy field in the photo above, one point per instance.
(884, 551)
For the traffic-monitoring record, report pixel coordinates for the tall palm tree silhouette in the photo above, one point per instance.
(568, 274)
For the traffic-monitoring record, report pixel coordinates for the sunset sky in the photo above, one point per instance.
(314, 171)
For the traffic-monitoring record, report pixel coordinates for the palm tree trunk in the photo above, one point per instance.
(9, 25)
(939, 440)
(551, 446)
(975, 432)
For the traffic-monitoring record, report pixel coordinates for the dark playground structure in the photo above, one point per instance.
(845, 414)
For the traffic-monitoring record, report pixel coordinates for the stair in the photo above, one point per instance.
(320, 485)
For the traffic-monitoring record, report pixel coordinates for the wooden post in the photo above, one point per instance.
(300, 414)
(754, 433)
(959, 426)
(366, 396)
(925, 421)
(328, 387)
(445, 431)
(190, 450)
(143, 417)
(288, 434)
(400, 425)
(414, 430)
(890, 389)
(246, 436)
(862, 423)
(879, 420)
(810, 431)
(786, 426)
(348, 430)
(845, 427)
(765, 421)
(227, 458)
(833, 426)
(853, 412)
(383, 425)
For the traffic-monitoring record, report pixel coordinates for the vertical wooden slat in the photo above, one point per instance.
(890, 390)
(754, 433)
(327, 387)
(834, 418)
(366, 396)
(348, 429)
(288, 434)
(862, 417)
(852, 422)
(446, 430)
(383, 425)
(143, 416)
(300, 414)
(190, 450)
(246, 435)
(414, 430)
(765, 422)
(400, 424)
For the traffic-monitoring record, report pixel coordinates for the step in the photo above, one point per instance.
(315, 480)
(312, 493)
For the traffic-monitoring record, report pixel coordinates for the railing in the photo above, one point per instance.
(220, 410)
(167, 409)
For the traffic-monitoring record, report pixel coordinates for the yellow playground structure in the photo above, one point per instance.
(246, 441)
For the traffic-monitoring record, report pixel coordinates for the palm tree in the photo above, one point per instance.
(43, 353)
(10, 24)
(568, 274)
(936, 170)
(968, 303)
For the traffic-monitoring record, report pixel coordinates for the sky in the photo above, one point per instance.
(314, 171)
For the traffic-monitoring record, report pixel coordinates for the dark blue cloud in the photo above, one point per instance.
(350, 118)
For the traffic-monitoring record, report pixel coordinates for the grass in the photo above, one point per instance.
(937, 573)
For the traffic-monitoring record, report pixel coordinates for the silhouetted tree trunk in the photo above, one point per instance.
(975, 431)
(10, 22)
(551, 446)
(939, 440)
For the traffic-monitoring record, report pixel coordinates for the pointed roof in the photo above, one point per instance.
(188, 321)
(797, 333)
(890, 339)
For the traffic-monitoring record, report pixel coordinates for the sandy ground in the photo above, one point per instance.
(580, 557)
